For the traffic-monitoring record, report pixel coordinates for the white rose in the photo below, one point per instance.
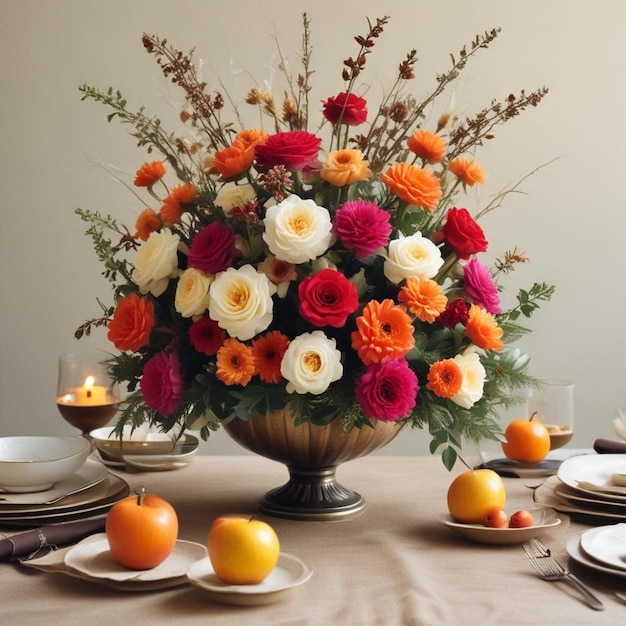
(192, 292)
(412, 257)
(156, 262)
(231, 196)
(311, 363)
(241, 301)
(474, 375)
(298, 230)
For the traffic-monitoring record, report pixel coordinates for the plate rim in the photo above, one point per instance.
(565, 476)
(591, 534)
(575, 552)
(249, 591)
(93, 542)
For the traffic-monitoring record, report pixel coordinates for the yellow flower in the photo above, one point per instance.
(344, 167)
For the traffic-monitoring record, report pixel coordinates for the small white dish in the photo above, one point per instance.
(290, 572)
(606, 544)
(180, 456)
(138, 442)
(595, 469)
(92, 557)
(544, 518)
(575, 551)
(89, 475)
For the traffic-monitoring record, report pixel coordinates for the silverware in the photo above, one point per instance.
(550, 569)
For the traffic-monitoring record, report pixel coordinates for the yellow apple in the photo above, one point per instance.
(242, 550)
(472, 493)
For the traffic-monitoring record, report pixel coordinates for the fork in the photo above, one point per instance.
(549, 568)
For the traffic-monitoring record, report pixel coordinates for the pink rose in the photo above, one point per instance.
(162, 383)
(294, 149)
(327, 298)
(345, 108)
(362, 226)
(463, 234)
(387, 391)
(213, 249)
(479, 286)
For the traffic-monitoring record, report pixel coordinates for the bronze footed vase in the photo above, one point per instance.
(312, 454)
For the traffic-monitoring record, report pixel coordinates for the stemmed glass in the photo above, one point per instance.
(87, 397)
(553, 403)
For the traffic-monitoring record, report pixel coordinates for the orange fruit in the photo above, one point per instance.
(527, 441)
(473, 493)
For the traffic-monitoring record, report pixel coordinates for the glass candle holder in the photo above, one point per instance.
(553, 404)
(87, 397)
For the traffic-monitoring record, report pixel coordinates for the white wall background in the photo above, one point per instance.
(571, 222)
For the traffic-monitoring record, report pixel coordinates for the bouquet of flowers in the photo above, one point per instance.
(334, 272)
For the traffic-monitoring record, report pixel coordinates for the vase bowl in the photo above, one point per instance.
(311, 454)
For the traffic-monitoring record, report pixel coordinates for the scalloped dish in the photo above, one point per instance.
(545, 518)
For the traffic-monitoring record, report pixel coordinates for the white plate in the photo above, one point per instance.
(574, 550)
(596, 469)
(289, 572)
(544, 518)
(92, 556)
(588, 500)
(91, 473)
(606, 544)
(546, 495)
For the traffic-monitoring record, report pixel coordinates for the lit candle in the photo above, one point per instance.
(89, 395)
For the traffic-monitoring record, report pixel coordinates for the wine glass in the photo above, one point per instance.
(87, 397)
(553, 404)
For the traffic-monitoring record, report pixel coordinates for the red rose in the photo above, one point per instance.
(213, 249)
(295, 149)
(327, 298)
(348, 108)
(463, 234)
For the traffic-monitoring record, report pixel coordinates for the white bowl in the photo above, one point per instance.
(141, 441)
(29, 464)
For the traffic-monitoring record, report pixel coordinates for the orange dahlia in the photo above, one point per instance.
(414, 185)
(468, 171)
(149, 173)
(174, 205)
(424, 298)
(384, 330)
(427, 145)
(147, 222)
(268, 351)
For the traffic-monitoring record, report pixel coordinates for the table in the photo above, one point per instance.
(394, 564)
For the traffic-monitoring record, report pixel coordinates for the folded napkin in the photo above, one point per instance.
(606, 446)
(32, 543)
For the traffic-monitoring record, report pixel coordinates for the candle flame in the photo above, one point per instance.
(89, 381)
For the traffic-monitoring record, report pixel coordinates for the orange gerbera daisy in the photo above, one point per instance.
(483, 329)
(424, 298)
(147, 222)
(268, 352)
(413, 185)
(344, 167)
(235, 363)
(445, 378)
(427, 145)
(149, 173)
(468, 171)
(174, 205)
(384, 330)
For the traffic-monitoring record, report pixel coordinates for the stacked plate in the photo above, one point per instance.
(90, 491)
(602, 548)
(590, 487)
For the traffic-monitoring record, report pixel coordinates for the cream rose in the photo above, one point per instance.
(311, 363)
(192, 292)
(240, 301)
(231, 196)
(298, 230)
(412, 257)
(474, 375)
(156, 262)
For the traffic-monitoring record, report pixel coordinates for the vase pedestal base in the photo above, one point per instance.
(312, 494)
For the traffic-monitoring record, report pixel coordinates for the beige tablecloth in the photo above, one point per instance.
(394, 564)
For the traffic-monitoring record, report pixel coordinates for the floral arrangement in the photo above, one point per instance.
(332, 271)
